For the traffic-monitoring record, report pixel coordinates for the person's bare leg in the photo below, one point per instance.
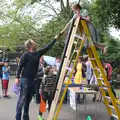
(100, 45)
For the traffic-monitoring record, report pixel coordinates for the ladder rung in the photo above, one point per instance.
(75, 50)
(100, 78)
(111, 106)
(115, 116)
(69, 69)
(107, 97)
(103, 83)
(96, 68)
(92, 59)
(75, 42)
(105, 88)
(79, 37)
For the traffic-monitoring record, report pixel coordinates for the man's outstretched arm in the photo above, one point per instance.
(47, 47)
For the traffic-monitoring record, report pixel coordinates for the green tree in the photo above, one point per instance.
(113, 55)
(17, 25)
(107, 12)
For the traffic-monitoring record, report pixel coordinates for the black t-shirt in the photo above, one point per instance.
(29, 61)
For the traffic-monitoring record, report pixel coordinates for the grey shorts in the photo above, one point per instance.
(94, 35)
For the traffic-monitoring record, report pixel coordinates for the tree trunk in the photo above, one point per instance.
(62, 5)
(78, 1)
(67, 3)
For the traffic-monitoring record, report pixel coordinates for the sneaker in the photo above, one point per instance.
(40, 118)
(26, 117)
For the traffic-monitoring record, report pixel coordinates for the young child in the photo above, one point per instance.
(47, 88)
(5, 79)
(84, 14)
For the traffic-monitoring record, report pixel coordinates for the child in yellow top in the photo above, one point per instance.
(78, 75)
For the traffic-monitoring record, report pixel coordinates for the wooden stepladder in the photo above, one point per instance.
(80, 31)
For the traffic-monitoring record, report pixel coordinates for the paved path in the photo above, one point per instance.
(7, 109)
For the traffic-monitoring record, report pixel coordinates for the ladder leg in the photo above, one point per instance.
(106, 81)
(63, 71)
(69, 79)
(99, 64)
(90, 54)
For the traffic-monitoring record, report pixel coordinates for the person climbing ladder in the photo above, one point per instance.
(84, 14)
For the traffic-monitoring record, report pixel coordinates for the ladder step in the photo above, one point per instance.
(107, 97)
(96, 69)
(105, 88)
(75, 42)
(100, 78)
(111, 106)
(69, 69)
(92, 59)
(79, 37)
(103, 83)
(76, 51)
(115, 116)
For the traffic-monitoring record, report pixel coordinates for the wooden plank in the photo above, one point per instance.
(63, 71)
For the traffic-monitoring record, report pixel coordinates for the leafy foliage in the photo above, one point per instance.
(22, 24)
(23, 19)
(107, 12)
(113, 55)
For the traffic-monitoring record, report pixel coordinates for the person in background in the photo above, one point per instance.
(27, 70)
(38, 79)
(78, 75)
(5, 79)
(17, 60)
(47, 87)
(94, 81)
(88, 70)
(108, 69)
(57, 63)
(84, 68)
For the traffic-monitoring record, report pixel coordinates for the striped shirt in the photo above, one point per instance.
(48, 83)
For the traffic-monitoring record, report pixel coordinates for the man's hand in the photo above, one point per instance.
(62, 32)
(57, 36)
(17, 81)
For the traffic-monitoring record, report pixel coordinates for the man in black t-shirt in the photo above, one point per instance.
(28, 68)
